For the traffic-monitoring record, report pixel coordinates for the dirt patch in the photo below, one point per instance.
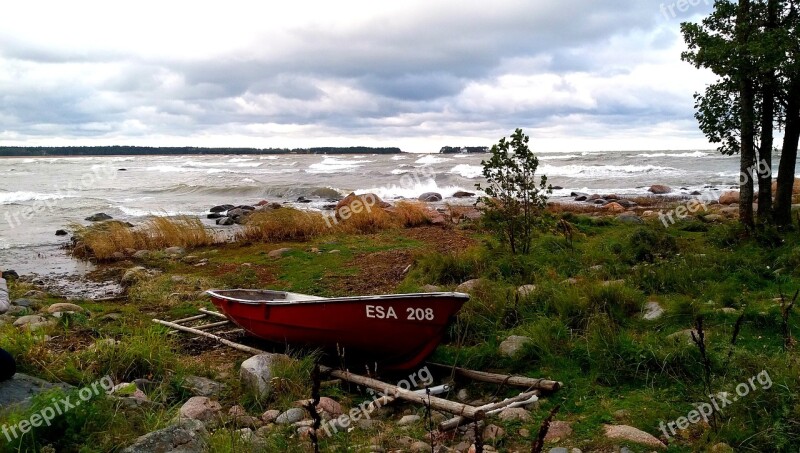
(441, 239)
(380, 273)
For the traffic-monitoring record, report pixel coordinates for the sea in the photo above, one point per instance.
(41, 195)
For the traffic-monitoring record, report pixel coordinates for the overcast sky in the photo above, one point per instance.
(574, 74)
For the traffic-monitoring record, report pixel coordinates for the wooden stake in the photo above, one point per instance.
(212, 325)
(233, 345)
(212, 313)
(493, 378)
(454, 422)
(190, 318)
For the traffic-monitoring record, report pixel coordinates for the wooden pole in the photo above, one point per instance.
(454, 422)
(213, 313)
(233, 345)
(441, 404)
(190, 318)
(515, 381)
(212, 325)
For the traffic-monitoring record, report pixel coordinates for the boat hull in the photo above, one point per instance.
(397, 331)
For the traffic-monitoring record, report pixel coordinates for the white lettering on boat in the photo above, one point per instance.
(412, 314)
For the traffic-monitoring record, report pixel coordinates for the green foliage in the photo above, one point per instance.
(514, 203)
(648, 243)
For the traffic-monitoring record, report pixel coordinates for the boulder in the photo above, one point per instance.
(226, 221)
(291, 416)
(201, 408)
(277, 253)
(61, 232)
(141, 254)
(215, 215)
(512, 345)
(29, 320)
(430, 197)
(626, 203)
(631, 218)
(559, 430)
(9, 275)
(64, 307)
(408, 420)
(174, 250)
(514, 413)
(631, 434)
(493, 433)
(526, 290)
(614, 207)
(713, 218)
(21, 388)
(133, 275)
(270, 415)
(327, 193)
(659, 189)
(256, 374)
(468, 286)
(99, 217)
(330, 406)
(652, 311)
(368, 199)
(430, 288)
(581, 198)
(463, 194)
(200, 386)
(187, 436)
(729, 197)
(221, 208)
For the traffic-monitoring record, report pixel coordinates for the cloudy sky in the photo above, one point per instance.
(574, 74)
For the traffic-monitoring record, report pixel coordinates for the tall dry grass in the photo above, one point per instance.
(283, 224)
(102, 240)
(411, 213)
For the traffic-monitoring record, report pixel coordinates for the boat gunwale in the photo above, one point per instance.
(452, 294)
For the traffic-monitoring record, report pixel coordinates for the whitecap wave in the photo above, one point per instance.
(467, 171)
(21, 196)
(604, 171)
(399, 157)
(431, 159)
(559, 157)
(335, 165)
(137, 212)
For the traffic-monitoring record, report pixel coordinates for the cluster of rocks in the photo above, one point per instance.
(228, 214)
(610, 201)
(28, 313)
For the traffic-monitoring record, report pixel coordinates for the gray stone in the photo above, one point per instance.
(631, 434)
(512, 345)
(514, 413)
(23, 303)
(187, 436)
(430, 197)
(256, 374)
(133, 275)
(526, 290)
(19, 390)
(630, 218)
(559, 430)
(493, 433)
(226, 221)
(174, 250)
(141, 254)
(270, 415)
(29, 319)
(559, 450)
(652, 311)
(468, 286)
(201, 408)
(279, 252)
(63, 307)
(431, 288)
(200, 386)
(99, 217)
(408, 420)
(420, 447)
(293, 415)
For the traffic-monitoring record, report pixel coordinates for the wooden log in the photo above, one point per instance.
(190, 318)
(494, 378)
(213, 313)
(229, 343)
(440, 404)
(454, 422)
(212, 325)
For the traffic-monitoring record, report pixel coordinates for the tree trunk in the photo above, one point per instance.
(747, 99)
(791, 136)
(767, 122)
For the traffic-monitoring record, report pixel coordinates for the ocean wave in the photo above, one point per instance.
(685, 154)
(604, 171)
(136, 212)
(412, 190)
(559, 157)
(335, 165)
(399, 157)
(240, 159)
(431, 159)
(21, 196)
(467, 171)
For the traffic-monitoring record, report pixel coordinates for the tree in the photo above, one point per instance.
(753, 47)
(515, 202)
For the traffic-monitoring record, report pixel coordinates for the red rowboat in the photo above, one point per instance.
(397, 330)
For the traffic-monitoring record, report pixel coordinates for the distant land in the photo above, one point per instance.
(39, 151)
(463, 149)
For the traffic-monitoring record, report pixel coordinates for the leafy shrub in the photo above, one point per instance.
(646, 244)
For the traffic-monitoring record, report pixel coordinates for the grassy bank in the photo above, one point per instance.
(584, 320)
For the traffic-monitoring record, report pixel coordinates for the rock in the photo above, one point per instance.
(99, 217)
(187, 436)
(23, 303)
(652, 311)
(630, 218)
(493, 433)
(728, 311)
(174, 250)
(10, 275)
(722, 447)
(215, 215)
(729, 197)
(141, 254)
(201, 408)
(430, 197)
(468, 286)
(64, 307)
(293, 415)
(526, 290)
(256, 374)
(420, 447)
(408, 420)
(200, 386)
(279, 252)
(430, 288)
(303, 200)
(221, 208)
(366, 200)
(29, 319)
(462, 395)
(558, 450)
(659, 189)
(21, 388)
(61, 232)
(226, 221)
(270, 415)
(687, 334)
(133, 275)
(559, 430)
(513, 345)
(462, 194)
(631, 434)
(626, 203)
(330, 406)
(614, 208)
(612, 282)
(327, 193)
(514, 413)
(582, 198)
(713, 218)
